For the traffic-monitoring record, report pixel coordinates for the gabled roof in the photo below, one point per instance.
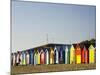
(72, 47)
(91, 47)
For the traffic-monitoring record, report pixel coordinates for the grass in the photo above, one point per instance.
(50, 68)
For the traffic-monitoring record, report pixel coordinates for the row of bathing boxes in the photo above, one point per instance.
(55, 54)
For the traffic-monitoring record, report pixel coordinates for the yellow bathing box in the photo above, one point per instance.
(72, 55)
(91, 54)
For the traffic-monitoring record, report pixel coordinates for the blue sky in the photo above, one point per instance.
(64, 23)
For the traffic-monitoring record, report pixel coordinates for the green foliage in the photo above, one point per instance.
(88, 42)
